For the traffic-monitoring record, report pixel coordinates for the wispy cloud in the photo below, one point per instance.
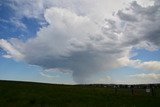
(3, 20)
(18, 24)
(48, 75)
(12, 52)
(150, 75)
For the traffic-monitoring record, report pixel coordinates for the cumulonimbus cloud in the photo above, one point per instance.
(85, 43)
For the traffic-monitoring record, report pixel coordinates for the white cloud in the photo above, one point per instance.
(48, 75)
(18, 24)
(36, 8)
(148, 65)
(3, 20)
(12, 52)
(144, 76)
(29, 8)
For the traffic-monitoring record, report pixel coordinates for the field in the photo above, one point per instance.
(27, 94)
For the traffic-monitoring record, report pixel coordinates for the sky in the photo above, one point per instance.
(80, 41)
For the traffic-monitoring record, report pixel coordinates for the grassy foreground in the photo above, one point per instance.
(23, 94)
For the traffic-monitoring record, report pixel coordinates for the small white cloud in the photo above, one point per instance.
(17, 23)
(3, 20)
(48, 75)
(12, 52)
(145, 76)
(148, 65)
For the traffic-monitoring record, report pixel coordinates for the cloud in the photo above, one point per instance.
(68, 42)
(84, 39)
(144, 76)
(48, 76)
(18, 24)
(148, 65)
(78, 49)
(126, 17)
(151, 65)
(146, 26)
(29, 8)
(36, 8)
(4, 21)
(12, 52)
(104, 80)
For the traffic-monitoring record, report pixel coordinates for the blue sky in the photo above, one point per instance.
(80, 42)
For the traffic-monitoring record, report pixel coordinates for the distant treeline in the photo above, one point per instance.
(142, 86)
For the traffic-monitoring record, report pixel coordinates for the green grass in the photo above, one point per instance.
(23, 94)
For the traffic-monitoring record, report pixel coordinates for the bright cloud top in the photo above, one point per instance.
(87, 37)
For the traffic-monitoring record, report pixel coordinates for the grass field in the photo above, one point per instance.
(25, 94)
